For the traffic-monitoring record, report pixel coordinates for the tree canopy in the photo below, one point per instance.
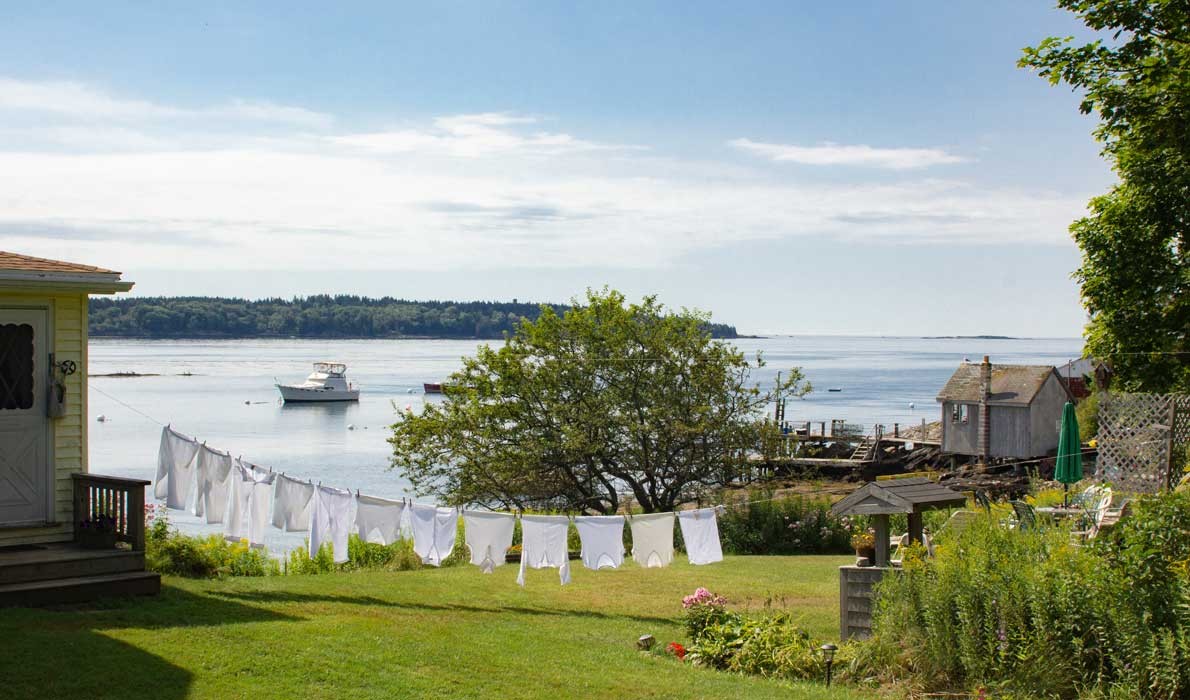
(319, 316)
(1135, 271)
(578, 408)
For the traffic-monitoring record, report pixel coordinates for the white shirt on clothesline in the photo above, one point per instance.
(602, 538)
(488, 536)
(700, 532)
(653, 539)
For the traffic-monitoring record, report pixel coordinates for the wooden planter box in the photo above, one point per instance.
(512, 558)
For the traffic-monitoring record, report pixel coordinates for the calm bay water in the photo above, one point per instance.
(230, 402)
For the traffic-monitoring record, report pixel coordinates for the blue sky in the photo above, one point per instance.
(862, 167)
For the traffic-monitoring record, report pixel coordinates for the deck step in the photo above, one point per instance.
(57, 563)
(80, 589)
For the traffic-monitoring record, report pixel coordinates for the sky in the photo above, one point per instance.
(792, 167)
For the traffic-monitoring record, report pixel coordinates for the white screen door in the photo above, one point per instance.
(24, 466)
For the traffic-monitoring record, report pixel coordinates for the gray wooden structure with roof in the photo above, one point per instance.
(1023, 405)
(879, 500)
(911, 496)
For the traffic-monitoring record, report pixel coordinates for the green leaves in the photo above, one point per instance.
(578, 408)
(1135, 273)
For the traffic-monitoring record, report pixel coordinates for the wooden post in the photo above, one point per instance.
(79, 506)
(136, 518)
(896, 430)
(915, 527)
(822, 425)
(1173, 422)
(881, 523)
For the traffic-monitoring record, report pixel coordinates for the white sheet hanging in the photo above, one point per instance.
(213, 478)
(488, 535)
(292, 502)
(543, 544)
(175, 468)
(330, 521)
(380, 516)
(434, 531)
(700, 532)
(249, 504)
(653, 539)
(602, 537)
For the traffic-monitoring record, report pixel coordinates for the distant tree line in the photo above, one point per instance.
(321, 316)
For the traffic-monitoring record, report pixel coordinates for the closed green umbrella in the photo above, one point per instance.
(1069, 469)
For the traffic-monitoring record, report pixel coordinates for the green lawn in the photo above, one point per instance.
(445, 633)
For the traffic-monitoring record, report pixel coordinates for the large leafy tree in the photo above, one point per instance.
(576, 410)
(1135, 271)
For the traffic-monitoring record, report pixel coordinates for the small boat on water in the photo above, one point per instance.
(432, 387)
(328, 382)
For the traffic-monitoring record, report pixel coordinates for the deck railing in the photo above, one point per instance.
(122, 499)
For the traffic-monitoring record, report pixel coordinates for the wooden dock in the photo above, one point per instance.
(854, 450)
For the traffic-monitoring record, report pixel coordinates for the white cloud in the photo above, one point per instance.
(83, 102)
(470, 136)
(462, 192)
(839, 154)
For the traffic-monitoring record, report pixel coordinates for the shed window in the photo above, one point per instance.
(960, 413)
(16, 366)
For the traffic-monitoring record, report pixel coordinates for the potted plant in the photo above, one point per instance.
(864, 543)
(98, 532)
(513, 555)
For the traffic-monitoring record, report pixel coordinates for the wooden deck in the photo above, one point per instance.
(66, 573)
(46, 574)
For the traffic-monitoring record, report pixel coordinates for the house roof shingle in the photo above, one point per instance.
(1011, 384)
(28, 263)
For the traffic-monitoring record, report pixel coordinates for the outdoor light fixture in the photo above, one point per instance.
(828, 652)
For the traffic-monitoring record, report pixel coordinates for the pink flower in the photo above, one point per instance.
(702, 596)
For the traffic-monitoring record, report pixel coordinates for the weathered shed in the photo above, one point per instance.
(1002, 411)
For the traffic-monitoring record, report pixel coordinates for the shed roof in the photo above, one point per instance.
(1012, 385)
(908, 495)
(28, 272)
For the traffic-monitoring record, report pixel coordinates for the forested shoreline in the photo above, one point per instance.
(321, 316)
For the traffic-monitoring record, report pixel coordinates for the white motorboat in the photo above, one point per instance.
(328, 382)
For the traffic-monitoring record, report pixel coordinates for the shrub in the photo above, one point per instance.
(787, 525)
(703, 609)
(170, 552)
(1029, 612)
(363, 555)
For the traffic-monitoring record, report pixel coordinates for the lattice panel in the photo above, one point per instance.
(1181, 424)
(1134, 441)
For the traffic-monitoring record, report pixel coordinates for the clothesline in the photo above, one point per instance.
(246, 499)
